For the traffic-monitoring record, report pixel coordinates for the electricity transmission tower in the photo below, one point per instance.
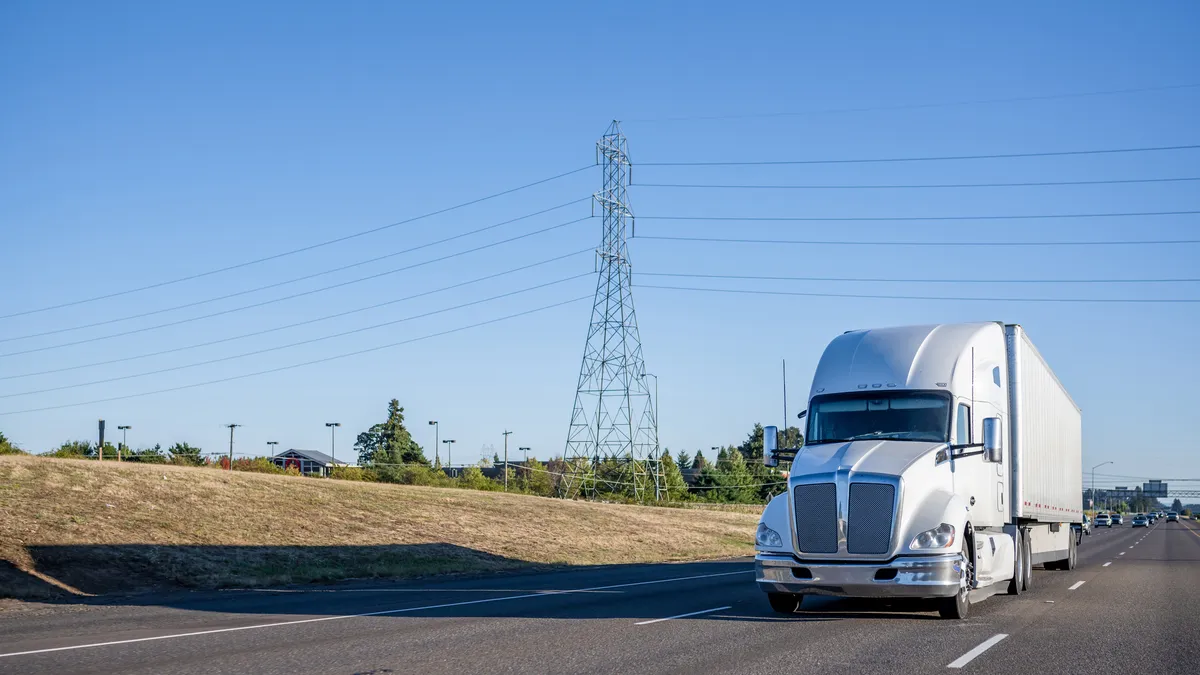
(614, 423)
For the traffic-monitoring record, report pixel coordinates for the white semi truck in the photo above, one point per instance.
(938, 462)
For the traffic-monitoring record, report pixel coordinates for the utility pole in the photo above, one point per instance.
(448, 442)
(333, 439)
(124, 444)
(506, 433)
(231, 428)
(436, 445)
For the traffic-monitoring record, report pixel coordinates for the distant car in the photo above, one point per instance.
(1153, 517)
(1172, 517)
(1141, 520)
(1102, 520)
(1117, 519)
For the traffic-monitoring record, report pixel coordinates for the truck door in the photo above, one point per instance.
(977, 480)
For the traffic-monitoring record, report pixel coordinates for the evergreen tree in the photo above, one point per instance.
(187, 455)
(8, 448)
(683, 460)
(699, 462)
(389, 442)
(1176, 506)
(673, 485)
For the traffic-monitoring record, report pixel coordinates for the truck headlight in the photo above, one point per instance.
(765, 536)
(941, 536)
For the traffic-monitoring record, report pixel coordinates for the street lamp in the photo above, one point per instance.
(333, 439)
(449, 461)
(271, 450)
(123, 429)
(1094, 484)
(437, 458)
(526, 451)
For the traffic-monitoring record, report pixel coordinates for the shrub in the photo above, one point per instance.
(355, 473)
(472, 478)
(255, 465)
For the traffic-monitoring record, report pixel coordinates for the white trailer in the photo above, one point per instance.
(939, 461)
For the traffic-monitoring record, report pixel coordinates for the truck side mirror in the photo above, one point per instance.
(770, 435)
(992, 442)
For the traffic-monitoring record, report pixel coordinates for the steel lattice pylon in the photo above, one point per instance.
(614, 419)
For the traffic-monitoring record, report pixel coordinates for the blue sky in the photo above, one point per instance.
(148, 141)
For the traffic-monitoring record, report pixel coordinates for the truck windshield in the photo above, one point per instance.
(902, 416)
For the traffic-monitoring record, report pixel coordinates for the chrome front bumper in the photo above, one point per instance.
(925, 577)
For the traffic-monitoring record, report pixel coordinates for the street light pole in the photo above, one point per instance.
(526, 451)
(1094, 484)
(124, 444)
(231, 428)
(448, 442)
(333, 439)
(436, 444)
(271, 450)
(506, 433)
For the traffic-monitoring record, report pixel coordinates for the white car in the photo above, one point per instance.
(1102, 520)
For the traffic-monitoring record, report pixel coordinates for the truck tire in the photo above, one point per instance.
(959, 605)
(1017, 584)
(785, 603)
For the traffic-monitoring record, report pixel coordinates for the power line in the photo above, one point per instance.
(920, 281)
(926, 297)
(1115, 181)
(310, 247)
(936, 158)
(296, 344)
(814, 242)
(913, 106)
(294, 295)
(293, 280)
(305, 363)
(293, 325)
(864, 219)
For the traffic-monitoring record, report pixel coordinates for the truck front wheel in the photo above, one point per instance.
(785, 603)
(959, 606)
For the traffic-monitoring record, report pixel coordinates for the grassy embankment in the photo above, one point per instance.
(85, 527)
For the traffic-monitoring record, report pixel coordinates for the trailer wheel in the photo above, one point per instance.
(785, 603)
(1072, 556)
(1017, 583)
(958, 606)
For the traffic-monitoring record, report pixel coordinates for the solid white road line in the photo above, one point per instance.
(970, 656)
(1077, 585)
(682, 616)
(1106, 564)
(379, 613)
(1121, 553)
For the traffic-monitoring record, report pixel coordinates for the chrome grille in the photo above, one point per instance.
(816, 517)
(869, 517)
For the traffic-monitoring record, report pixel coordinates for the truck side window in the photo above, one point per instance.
(962, 425)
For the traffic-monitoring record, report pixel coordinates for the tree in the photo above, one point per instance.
(389, 442)
(534, 479)
(1176, 506)
(186, 455)
(683, 459)
(699, 462)
(8, 448)
(673, 484)
(153, 455)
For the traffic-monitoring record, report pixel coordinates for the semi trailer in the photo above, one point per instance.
(939, 461)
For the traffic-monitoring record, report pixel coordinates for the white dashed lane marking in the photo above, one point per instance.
(1077, 585)
(983, 647)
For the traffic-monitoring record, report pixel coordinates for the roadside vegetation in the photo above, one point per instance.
(387, 453)
(87, 527)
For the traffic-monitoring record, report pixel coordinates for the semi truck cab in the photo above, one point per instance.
(910, 480)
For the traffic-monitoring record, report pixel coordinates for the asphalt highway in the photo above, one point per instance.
(1132, 605)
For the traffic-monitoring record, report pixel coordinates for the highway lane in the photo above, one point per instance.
(531, 623)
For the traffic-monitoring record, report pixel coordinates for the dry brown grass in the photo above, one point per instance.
(92, 527)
